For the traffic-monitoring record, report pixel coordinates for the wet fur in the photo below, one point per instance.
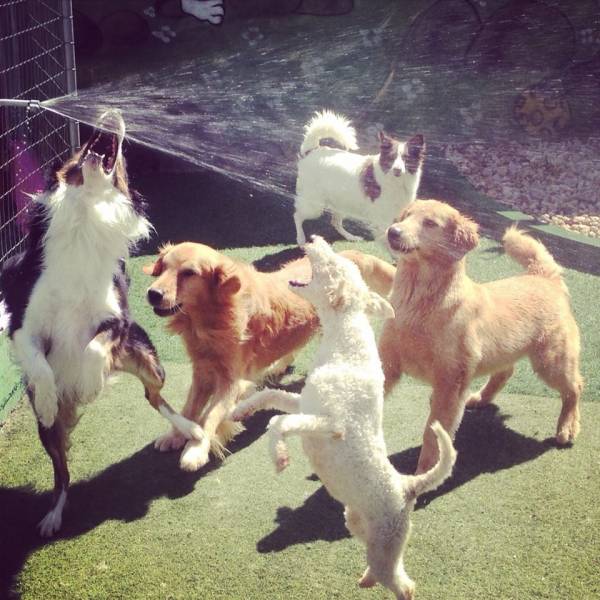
(70, 325)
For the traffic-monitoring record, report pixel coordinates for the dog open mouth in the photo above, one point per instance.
(102, 149)
(167, 312)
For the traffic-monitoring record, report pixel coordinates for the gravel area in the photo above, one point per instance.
(555, 182)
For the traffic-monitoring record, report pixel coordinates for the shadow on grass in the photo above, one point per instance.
(484, 445)
(274, 262)
(124, 492)
(206, 207)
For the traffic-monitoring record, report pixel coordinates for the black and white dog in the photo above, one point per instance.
(66, 294)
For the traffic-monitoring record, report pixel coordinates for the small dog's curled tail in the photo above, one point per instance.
(327, 124)
(530, 254)
(432, 479)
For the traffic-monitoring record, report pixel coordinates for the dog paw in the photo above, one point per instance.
(281, 458)
(194, 456)
(50, 524)
(241, 412)
(46, 402)
(189, 429)
(172, 440)
(474, 400)
(567, 433)
(248, 406)
(282, 463)
(367, 580)
(564, 438)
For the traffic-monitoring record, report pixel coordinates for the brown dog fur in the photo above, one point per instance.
(238, 325)
(449, 329)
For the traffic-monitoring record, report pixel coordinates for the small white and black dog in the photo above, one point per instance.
(332, 177)
(66, 296)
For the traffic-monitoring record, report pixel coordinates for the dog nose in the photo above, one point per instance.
(155, 296)
(394, 234)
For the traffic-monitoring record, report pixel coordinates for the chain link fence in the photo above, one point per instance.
(36, 63)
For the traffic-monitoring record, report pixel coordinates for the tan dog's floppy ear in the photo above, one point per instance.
(155, 269)
(379, 306)
(225, 281)
(465, 234)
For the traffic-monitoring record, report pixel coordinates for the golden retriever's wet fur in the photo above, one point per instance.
(449, 329)
(239, 325)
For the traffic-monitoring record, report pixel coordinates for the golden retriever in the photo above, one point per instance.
(238, 325)
(449, 329)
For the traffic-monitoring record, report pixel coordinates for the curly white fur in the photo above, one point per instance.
(339, 417)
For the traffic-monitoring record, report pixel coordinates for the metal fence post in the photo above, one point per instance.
(70, 67)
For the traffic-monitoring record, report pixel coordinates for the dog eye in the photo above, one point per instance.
(429, 223)
(185, 273)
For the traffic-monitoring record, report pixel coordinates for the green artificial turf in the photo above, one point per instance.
(519, 519)
(10, 384)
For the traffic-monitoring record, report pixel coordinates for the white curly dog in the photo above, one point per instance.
(339, 417)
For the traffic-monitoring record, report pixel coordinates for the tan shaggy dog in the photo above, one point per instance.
(449, 329)
(238, 325)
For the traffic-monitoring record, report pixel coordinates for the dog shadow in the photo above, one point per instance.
(484, 445)
(123, 491)
(273, 262)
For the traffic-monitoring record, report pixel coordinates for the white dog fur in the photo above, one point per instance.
(339, 417)
(94, 226)
(371, 189)
(71, 335)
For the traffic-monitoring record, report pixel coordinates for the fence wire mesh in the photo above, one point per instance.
(36, 63)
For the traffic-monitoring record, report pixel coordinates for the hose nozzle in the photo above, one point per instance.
(18, 102)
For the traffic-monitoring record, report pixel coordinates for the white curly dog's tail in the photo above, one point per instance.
(432, 479)
(327, 124)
